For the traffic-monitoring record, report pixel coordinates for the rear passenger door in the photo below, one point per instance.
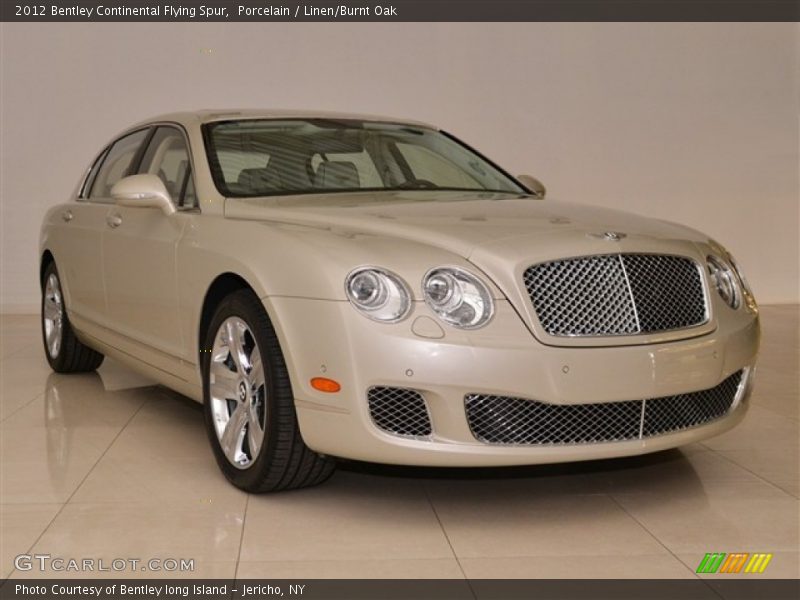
(139, 255)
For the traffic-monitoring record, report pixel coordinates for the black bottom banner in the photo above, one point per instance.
(399, 589)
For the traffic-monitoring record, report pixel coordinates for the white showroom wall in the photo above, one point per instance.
(696, 123)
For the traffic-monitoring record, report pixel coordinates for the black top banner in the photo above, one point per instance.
(398, 10)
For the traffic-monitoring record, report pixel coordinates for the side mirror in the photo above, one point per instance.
(533, 184)
(143, 191)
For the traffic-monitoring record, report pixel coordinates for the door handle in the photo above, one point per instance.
(114, 221)
(67, 216)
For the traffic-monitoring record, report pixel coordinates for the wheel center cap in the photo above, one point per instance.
(242, 391)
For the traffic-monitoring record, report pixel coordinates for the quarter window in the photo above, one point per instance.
(87, 183)
(117, 163)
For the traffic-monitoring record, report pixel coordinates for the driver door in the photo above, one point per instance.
(139, 256)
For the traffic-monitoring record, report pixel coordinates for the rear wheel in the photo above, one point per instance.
(65, 353)
(249, 405)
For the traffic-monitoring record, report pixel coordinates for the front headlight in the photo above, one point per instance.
(378, 294)
(740, 274)
(458, 297)
(749, 298)
(725, 281)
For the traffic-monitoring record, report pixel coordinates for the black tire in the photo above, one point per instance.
(72, 356)
(283, 461)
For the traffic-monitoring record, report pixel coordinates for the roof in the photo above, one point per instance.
(209, 115)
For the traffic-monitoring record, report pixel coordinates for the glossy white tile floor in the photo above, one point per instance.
(106, 466)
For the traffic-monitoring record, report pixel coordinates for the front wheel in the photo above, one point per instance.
(249, 405)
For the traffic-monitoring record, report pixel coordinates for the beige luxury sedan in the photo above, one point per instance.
(333, 285)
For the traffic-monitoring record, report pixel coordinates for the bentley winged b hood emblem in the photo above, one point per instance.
(609, 236)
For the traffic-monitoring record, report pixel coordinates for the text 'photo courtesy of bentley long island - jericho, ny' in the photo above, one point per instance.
(333, 285)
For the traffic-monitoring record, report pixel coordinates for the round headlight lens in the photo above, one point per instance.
(724, 280)
(740, 274)
(378, 294)
(458, 297)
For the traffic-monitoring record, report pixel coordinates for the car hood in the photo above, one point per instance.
(471, 225)
(502, 235)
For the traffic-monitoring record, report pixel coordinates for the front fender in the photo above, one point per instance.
(279, 260)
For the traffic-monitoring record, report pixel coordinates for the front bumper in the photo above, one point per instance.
(330, 339)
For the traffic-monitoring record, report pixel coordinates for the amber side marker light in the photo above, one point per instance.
(323, 384)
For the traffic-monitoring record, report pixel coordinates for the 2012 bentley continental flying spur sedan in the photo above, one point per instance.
(332, 285)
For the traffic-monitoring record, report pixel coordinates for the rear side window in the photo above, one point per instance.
(168, 157)
(116, 163)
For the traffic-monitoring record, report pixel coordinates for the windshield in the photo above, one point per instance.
(296, 156)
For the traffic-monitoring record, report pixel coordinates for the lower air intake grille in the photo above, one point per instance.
(664, 415)
(399, 411)
(503, 420)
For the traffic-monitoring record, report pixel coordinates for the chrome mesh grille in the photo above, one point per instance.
(664, 415)
(616, 294)
(399, 411)
(667, 291)
(504, 420)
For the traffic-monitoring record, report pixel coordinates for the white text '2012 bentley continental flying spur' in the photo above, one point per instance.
(333, 285)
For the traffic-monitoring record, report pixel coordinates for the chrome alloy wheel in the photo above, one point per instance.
(238, 392)
(53, 315)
